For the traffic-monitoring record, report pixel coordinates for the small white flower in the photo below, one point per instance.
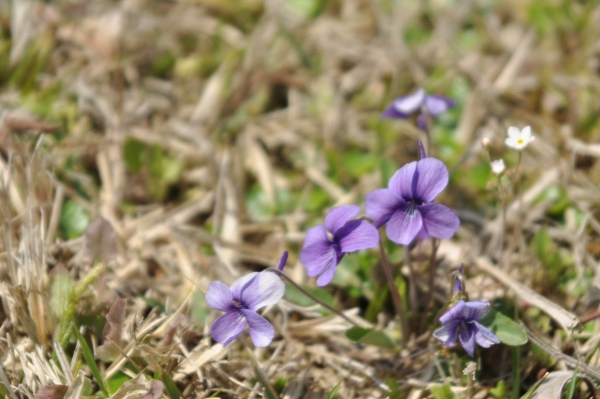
(518, 139)
(498, 167)
(485, 142)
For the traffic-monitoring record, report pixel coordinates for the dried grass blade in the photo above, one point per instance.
(562, 316)
(74, 391)
(64, 362)
(6, 384)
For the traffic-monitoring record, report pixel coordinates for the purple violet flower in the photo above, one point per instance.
(240, 303)
(322, 252)
(419, 101)
(463, 316)
(406, 204)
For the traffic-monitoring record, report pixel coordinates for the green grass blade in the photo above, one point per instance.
(90, 361)
(573, 383)
(334, 390)
(269, 390)
(529, 393)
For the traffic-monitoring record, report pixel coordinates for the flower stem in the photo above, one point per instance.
(432, 258)
(394, 293)
(503, 202)
(412, 281)
(311, 296)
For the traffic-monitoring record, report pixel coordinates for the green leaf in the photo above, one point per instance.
(90, 361)
(507, 331)
(441, 391)
(116, 381)
(334, 390)
(500, 391)
(200, 310)
(369, 336)
(170, 387)
(74, 220)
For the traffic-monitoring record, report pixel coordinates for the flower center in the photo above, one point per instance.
(412, 206)
(520, 141)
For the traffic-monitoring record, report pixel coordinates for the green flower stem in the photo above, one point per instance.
(412, 281)
(395, 294)
(432, 258)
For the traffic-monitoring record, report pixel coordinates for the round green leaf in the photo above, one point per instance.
(507, 331)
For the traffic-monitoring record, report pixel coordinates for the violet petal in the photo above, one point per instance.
(439, 220)
(404, 225)
(423, 235)
(447, 333)
(261, 331)
(316, 257)
(401, 183)
(467, 338)
(437, 105)
(326, 277)
(264, 290)
(484, 337)
(410, 103)
(431, 177)
(239, 284)
(475, 310)
(381, 205)
(228, 327)
(363, 236)
(339, 215)
(454, 313)
(218, 296)
(392, 113)
(314, 235)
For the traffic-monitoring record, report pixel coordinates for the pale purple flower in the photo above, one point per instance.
(460, 320)
(421, 102)
(406, 208)
(325, 245)
(240, 303)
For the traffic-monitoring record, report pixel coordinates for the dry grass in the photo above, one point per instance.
(210, 135)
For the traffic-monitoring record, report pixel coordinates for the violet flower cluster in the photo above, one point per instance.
(407, 210)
